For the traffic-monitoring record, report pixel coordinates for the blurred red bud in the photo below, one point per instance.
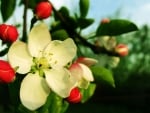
(105, 20)
(7, 73)
(75, 96)
(121, 49)
(43, 10)
(8, 33)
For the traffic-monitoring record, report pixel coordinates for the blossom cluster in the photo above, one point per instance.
(49, 67)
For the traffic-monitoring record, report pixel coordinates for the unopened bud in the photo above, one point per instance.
(105, 20)
(121, 49)
(75, 96)
(7, 73)
(8, 33)
(43, 10)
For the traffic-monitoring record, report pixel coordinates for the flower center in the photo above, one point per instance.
(40, 64)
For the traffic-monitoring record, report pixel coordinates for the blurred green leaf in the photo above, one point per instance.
(64, 11)
(116, 27)
(59, 34)
(103, 75)
(88, 93)
(84, 22)
(84, 7)
(7, 8)
(69, 20)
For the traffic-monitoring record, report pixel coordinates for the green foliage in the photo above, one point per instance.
(85, 22)
(88, 93)
(54, 104)
(116, 27)
(60, 34)
(103, 75)
(84, 7)
(7, 8)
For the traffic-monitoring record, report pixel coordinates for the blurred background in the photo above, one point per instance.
(132, 75)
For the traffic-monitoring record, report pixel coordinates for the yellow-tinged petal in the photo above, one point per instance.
(33, 91)
(39, 37)
(19, 56)
(60, 53)
(87, 74)
(60, 81)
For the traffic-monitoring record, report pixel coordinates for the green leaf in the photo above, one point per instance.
(88, 93)
(103, 75)
(84, 7)
(54, 104)
(59, 34)
(7, 8)
(70, 21)
(116, 27)
(84, 22)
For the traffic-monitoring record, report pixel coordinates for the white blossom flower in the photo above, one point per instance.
(44, 61)
(81, 71)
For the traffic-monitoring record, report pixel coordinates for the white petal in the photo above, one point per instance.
(76, 71)
(19, 56)
(87, 74)
(39, 37)
(33, 91)
(79, 72)
(60, 52)
(60, 81)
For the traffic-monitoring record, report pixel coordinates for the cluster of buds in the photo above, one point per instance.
(7, 73)
(43, 10)
(80, 70)
(8, 33)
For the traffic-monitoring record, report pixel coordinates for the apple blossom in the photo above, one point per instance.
(45, 62)
(81, 71)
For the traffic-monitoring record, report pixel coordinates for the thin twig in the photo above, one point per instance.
(24, 38)
(78, 38)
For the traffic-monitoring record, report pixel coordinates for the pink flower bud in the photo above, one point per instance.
(43, 10)
(87, 61)
(75, 96)
(7, 73)
(105, 20)
(8, 33)
(121, 49)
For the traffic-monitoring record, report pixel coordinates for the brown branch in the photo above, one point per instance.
(24, 38)
(78, 38)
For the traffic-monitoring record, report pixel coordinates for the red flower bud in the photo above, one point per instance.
(121, 49)
(8, 33)
(43, 10)
(75, 96)
(7, 73)
(105, 20)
